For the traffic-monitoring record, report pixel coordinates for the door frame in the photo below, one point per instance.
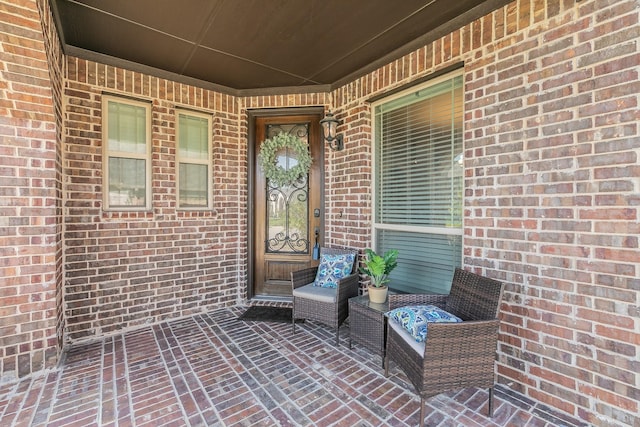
(252, 115)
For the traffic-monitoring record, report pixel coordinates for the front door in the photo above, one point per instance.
(286, 218)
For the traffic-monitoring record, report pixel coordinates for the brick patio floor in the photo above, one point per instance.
(215, 370)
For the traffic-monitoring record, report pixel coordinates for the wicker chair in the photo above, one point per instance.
(454, 355)
(325, 305)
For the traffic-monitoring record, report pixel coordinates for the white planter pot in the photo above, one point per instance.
(378, 295)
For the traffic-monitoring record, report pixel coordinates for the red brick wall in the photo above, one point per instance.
(30, 221)
(55, 59)
(349, 181)
(127, 269)
(552, 183)
(550, 207)
(553, 203)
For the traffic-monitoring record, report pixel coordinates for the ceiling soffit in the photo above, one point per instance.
(250, 47)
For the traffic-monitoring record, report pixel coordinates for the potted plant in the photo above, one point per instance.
(378, 267)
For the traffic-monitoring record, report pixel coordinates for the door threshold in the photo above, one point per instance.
(270, 298)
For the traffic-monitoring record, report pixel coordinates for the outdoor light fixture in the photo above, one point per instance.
(329, 125)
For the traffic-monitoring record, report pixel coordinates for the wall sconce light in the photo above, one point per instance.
(329, 125)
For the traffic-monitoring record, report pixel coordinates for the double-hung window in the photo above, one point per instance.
(418, 183)
(126, 154)
(194, 161)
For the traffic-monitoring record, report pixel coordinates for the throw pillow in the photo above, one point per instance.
(415, 319)
(333, 268)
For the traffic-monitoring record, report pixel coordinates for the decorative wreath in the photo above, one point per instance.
(268, 159)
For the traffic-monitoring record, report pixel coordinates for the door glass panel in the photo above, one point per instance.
(288, 205)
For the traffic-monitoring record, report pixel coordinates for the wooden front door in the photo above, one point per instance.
(286, 218)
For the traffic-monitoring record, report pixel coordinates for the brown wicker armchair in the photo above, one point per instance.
(325, 305)
(454, 355)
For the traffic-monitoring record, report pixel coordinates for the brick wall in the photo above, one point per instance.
(127, 269)
(55, 58)
(30, 222)
(123, 270)
(556, 175)
(349, 182)
(552, 183)
(551, 171)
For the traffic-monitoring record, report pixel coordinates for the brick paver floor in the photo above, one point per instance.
(215, 370)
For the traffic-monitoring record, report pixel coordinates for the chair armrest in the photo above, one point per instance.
(303, 277)
(401, 300)
(460, 343)
(348, 287)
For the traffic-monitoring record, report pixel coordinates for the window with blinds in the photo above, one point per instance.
(127, 153)
(418, 184)
(194, 160)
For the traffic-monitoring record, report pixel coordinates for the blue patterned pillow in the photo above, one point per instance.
(333, 268)
(415, 319)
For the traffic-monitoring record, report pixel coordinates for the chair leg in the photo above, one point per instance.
(490, 402)
(422, 410)
(337, 336)
(385, 362)
(293, 318)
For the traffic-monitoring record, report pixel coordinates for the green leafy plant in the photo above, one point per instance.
(378, 267)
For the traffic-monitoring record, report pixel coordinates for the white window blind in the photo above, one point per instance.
(419, 184)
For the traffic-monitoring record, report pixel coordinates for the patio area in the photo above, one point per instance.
(215, 370)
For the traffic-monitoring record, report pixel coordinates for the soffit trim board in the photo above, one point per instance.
(57, 24)
(412, 83)
(102, 58)
(285, 90)
(203, 84)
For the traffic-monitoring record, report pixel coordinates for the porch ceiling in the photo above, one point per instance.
(256, 46)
